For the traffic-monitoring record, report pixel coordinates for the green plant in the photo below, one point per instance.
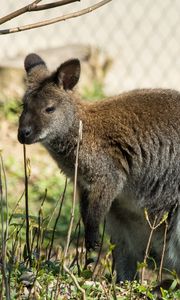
(10, 110)
(94, 93)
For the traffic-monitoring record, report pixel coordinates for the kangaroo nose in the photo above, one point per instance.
(23, 134)
(26, 131)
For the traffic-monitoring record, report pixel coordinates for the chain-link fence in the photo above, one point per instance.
(141, 36)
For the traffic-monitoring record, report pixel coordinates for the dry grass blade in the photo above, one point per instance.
(55, 20)
(15, 208)
(4, 234)
(57, 218)
(5, 197)
(72, 216)
(75, 281)
(99, 253)
(76, 258)
(153, 227)
(163, 251)
(74, 192)
(40, 228)
(26, 205)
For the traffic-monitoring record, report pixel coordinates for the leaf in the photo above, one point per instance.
(112, 247)
(141, 265)
(173, 285)
(163, 292)
(164, 218)
(86, 274)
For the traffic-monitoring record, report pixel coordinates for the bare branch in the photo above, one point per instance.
(34, 7)
(19, 12)
(75, 281)
(53, 4)
(55, 20)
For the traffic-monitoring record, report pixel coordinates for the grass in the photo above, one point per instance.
(46, 274)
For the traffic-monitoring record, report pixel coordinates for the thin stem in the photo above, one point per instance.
(26, 205)
(53, 5)
(4, 233)
(34, 7)
(163, 252)
(75, 281)
(5, 198)
(19, 12)
(40, 227)
(100, 250)
(57, 218)
(55, 20)
(16, 206)
(75, 190)
(153, 227)
(76, 258)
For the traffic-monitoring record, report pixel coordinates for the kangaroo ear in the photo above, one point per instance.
(67, 75)
(36, 70)
(32, 60)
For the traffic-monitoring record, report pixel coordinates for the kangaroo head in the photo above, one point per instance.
(49, 102)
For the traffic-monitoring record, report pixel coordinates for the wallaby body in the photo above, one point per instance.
(129, 159)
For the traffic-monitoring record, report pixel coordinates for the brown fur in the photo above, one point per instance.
(128, 158)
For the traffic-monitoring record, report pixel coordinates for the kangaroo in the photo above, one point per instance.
(129, 159)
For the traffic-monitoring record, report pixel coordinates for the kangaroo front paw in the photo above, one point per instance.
(92, 241)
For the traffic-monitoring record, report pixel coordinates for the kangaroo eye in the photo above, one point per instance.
(50, 109)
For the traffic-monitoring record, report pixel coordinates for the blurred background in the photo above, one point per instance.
(128, 44)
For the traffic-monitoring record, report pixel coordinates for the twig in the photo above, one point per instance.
(75, 230)
(18, 12)
(5, 198)
(163, 252)
(55, 20)
(57, 218)
(4, 232)
(75, 281)
(53, 5)
(15, 207)
(34, 7)
(76, 258)
(51, 217)
(75, 189)
(99, 253)
(153, 227)
(65, 268)
(26, 205)
(40, 228)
